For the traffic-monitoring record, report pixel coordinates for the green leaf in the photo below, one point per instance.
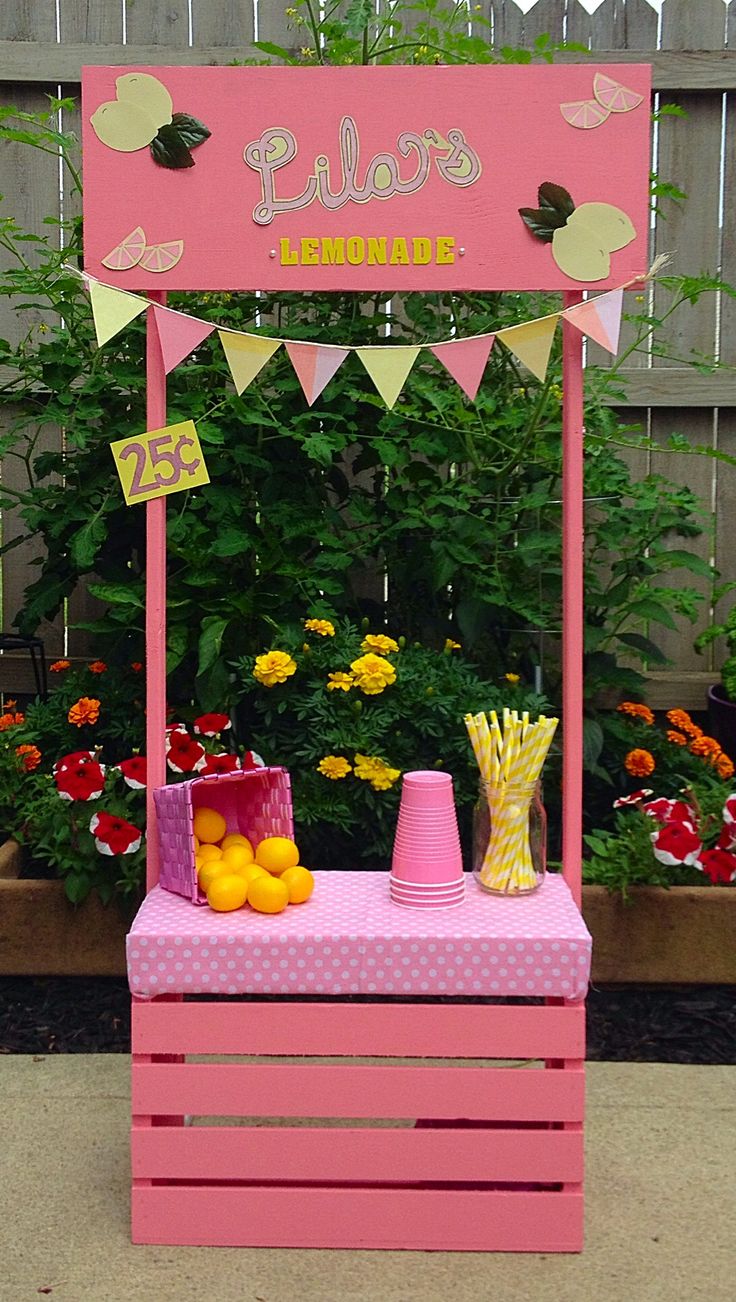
(86, 542)
(542, 222)
(687, 561)
(592, 742)
(77, 887)
(210, 641)
(555, 197)
(191, 131)
(169, 150)
(649, 609)
(646, 649)
(115, 594)
(276, 51)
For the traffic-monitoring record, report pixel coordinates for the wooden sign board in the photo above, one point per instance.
(365, 178)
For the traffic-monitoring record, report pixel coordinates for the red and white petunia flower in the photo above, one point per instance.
(729, 813)
(84, 780)
(676, 844)
(74, 757)
(210, 725)
(670, 811)
(113, 835)
(635, 798)
(718, 864)
(184, 755)
(251, 760)
(134, 771)
(222, 763)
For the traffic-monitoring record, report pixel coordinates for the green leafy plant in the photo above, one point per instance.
(348, 712)
(726, 629)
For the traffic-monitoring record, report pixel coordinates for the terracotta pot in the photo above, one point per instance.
(722, 719)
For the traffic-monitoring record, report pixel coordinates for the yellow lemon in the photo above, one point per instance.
(208, 853)
(612, 227)
(579, 253)
(236, 857)
(227, 892)
(267, 894)
(209, 826)
(196, 842)
(277, 853)
(299, 882)
(148, 94)
(207, 873)
(251, 870)
(123, 126)
(235, 838)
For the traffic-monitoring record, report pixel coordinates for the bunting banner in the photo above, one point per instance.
(388, 365)
(178, 335)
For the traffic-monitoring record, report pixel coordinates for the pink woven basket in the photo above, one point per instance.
(256, 803)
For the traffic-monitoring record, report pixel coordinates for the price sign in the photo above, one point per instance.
(163, 461)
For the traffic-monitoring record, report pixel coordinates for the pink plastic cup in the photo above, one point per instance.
(442, 897)
(427, 888)
(428, 904)
(426, 842)
(427, 789)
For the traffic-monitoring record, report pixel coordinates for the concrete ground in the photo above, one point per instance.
(660, 1223)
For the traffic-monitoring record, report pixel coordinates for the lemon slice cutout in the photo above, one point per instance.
(584, 113)
(128, 252)
(162, 257)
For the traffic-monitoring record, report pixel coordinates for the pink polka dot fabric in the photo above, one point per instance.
(350, 939)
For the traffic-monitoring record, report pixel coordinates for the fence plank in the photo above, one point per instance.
(230, 22)
(602, 30)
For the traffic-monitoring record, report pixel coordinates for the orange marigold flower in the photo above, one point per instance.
(10, 705)
(724, 766)
(10, 720)
(636, 711)
(639, 763)
(708, 747)
(681, 719)
(85, 710)
(29, 756)
(59, 666)
(97, 667)
(677, 738)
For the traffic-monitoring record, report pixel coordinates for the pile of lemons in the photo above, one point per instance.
(232, 873)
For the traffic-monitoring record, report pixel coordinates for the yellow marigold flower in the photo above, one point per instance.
(707, 747)
(636, 711)
(639, 763)
(677, 738)
(273, 667)
(372, 674)
(334, 767)
(29, 756)
(374, 770)
(513, 679)
(724, 767)
(59, 666)
(450, 645)
(322, 626)
(379, 642)
(85, 710)
(339, 682)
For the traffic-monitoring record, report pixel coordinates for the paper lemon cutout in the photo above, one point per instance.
(142, 114)
(610, 97)
(162, 257)
(128, 252)
(582, 238)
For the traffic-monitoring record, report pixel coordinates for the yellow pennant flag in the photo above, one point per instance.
(531, 342)
(388, 368)
(112, 310)
(246, 355)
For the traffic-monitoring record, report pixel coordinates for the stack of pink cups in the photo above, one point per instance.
(427, 866)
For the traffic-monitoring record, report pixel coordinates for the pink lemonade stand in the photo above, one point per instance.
(302, 182)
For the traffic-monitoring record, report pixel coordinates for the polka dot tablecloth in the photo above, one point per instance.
(350, 939)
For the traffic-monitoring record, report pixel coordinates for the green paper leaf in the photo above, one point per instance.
(191, 131)
(169, 150)
(555, 197)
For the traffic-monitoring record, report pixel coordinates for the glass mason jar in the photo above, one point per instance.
(509, 838)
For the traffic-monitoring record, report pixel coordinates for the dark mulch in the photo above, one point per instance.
(625, 1024)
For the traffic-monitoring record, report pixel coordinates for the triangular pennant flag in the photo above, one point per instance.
(388, 368)
(315, 365)
(599, 318)
(178, 334)
(112, 310)
(531, 342)
(246, 354)
(465, 359)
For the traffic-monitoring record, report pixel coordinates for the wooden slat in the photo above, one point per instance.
(371, 1030)
(41, 61)
(248, 1090)
(668, 688)
(274, 1153)
(436, 1220)
(676, 386)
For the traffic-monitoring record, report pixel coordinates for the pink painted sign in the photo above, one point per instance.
(366, 178)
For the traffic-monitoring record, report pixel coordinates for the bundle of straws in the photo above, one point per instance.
(510, 762)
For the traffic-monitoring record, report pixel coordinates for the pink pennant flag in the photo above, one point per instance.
(315, 365)
(178, 334)
(465, 359)
(599, 318)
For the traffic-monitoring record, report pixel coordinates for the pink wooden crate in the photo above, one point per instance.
(256, 803)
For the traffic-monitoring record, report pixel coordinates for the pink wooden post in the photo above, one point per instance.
(573, 536)
(155, 601)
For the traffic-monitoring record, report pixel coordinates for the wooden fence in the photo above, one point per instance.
(692, 47)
